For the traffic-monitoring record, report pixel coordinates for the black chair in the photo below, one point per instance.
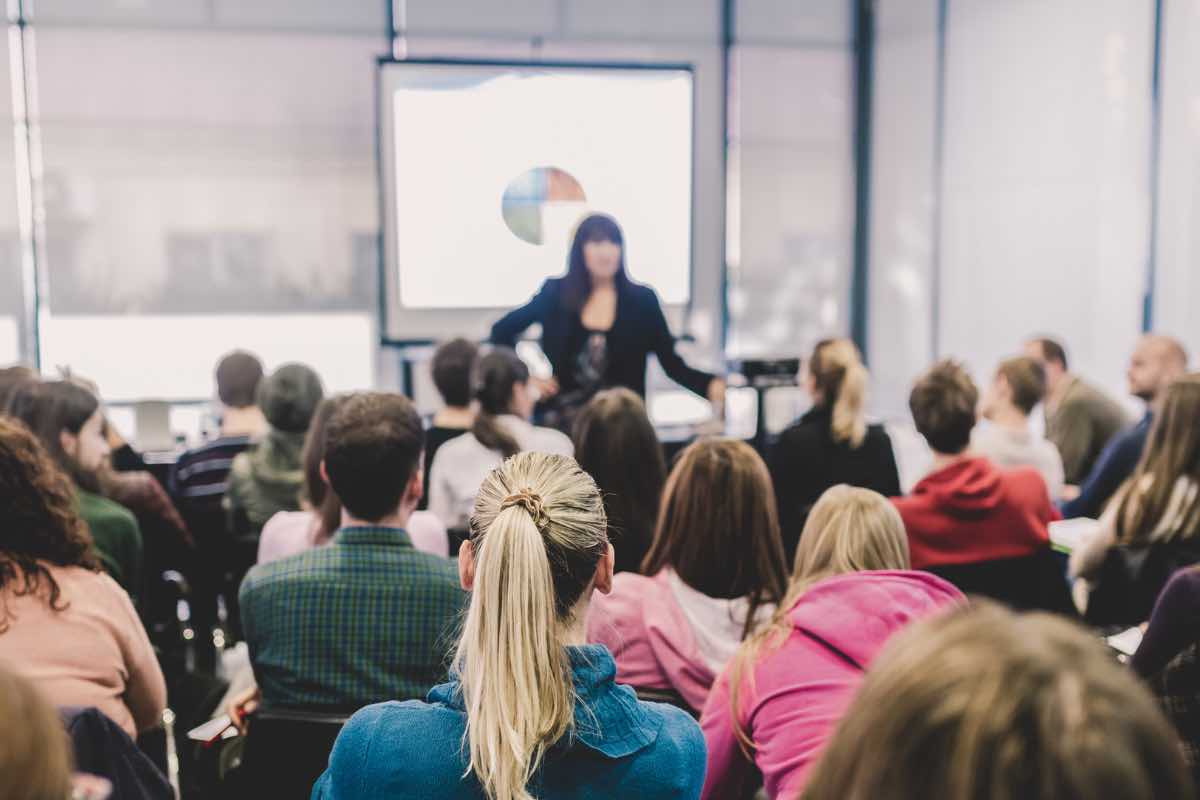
(1027, 583)
(286, 751)
(455, 538)
(1131, 577)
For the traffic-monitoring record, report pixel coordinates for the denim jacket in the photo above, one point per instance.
(619, 747)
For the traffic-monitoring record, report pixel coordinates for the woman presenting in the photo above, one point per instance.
(598, 327)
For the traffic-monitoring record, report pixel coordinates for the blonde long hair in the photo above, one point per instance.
(538, 531)
(849, 530)
(839, 375)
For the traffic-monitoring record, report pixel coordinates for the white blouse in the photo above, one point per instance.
(461, 464)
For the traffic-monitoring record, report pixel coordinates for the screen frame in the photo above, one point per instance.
(442, 323)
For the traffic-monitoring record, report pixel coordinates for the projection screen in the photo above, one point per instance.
(487, 167)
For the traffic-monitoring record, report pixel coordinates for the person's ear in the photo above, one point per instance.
(466, 565)
(604, 571)
(324, 473)
(416, 487)
(69, 442)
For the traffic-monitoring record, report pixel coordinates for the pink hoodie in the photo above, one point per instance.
(801, 689)
(652, 639)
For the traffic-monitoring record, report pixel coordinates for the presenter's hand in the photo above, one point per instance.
(716, 396)
(545, 387)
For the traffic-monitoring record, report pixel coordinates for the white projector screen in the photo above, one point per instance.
(487, 168)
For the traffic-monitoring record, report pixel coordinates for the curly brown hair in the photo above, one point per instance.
(39, 518)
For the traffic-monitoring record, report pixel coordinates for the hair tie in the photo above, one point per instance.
(533, 505)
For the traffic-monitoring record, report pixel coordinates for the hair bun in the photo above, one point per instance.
(533, 505)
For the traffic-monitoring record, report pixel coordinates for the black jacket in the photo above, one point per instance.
(806, 461)
(638, 330)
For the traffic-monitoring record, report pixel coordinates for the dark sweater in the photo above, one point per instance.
(1174, 625)
(1115, 465)
(806, 461)
(639, 329)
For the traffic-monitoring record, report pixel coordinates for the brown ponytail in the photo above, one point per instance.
(495, 376)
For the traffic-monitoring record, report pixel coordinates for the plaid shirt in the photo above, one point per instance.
(365, 619)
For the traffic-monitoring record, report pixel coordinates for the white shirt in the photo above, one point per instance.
(1008, 448)
(717, 624)
(462, 463)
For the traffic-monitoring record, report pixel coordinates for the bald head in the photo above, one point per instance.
(1157, 360)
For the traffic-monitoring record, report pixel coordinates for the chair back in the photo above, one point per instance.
(1028, 583)
(286, 752)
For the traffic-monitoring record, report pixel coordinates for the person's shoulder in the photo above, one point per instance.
(459, 447)
(95, 585)
(809, 429)
(109, 512)
(293, 569)
(1026, 481)
(379, 740)
(437, 570)
(629, 590)
(641, 294)
(552, 441)
(679, 747)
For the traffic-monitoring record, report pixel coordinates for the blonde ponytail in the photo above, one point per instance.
(537, 533)
(849, 422)
(839, 374)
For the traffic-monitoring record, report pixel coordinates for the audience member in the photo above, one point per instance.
(1080, 419)
(1160, 503)
(616, 444)
(967, 510)
(364, 618)
(268, 478)
(832, 443)
(201, 475)
(291, 532)
(713, 576)
(1169, 659)
(68, 420)
(851, 590)
(1007, 439)
(35, 756)
(11, 379)
(1174, 625)
(501, 429)
(63, 624)
(1156, 362)
(983, 703)
(453, 365)
(530, 711)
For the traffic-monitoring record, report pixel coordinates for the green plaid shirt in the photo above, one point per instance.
(365, 619)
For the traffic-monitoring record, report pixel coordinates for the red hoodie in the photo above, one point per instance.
(973, 511)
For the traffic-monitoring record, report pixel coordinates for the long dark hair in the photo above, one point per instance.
(38, 517)
(577, 285)
(320, 496)
(495, 376)
(50, 408)
(611, 433)
(717, 527)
